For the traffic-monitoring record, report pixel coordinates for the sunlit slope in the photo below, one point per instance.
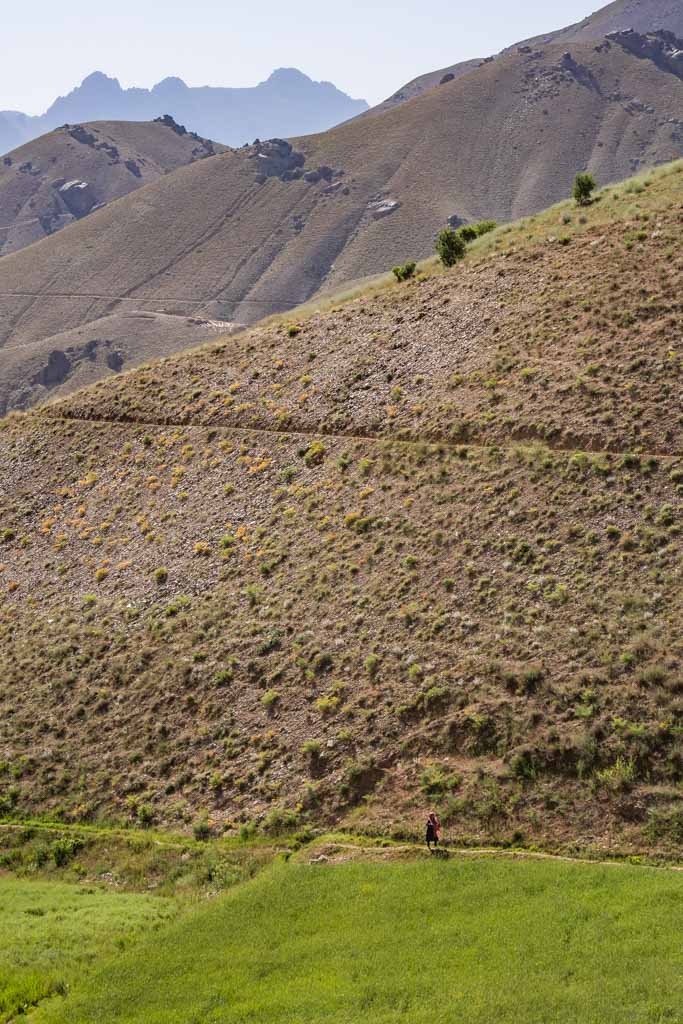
(561, 328)
(424, 547)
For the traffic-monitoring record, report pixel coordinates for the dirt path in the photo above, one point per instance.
(367, 438)
(328, 850)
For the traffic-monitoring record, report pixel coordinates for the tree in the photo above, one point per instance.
(584, 186)
(450, 246)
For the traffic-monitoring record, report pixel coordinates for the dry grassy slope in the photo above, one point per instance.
(501, 141)
(565, 328)
(215, 616)
(135, 154)
(421, 84)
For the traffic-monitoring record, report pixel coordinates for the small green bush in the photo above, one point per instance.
(201, 830)
(450, 246)
(405, 272)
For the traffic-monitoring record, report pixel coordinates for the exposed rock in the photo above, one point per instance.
(57, 370)
(78, 197)
(115, 361)
(450, 77)
(380, 208)
(454, 221)
(206, 147)
(663, 48)
(171, 123)
(275, 158)
(58, 182)
(82, 135)
(133, 167)
(312, 177)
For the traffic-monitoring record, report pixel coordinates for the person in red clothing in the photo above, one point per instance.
(433, 830)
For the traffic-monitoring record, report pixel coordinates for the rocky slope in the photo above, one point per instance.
(425, 547)
(287, 103)
(637, 15)
(78, 168)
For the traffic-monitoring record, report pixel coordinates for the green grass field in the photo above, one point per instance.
(469, 941)
(50, 933)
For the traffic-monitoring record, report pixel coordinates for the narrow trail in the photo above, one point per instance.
(143, 298)
(519, 441)
(457, 852)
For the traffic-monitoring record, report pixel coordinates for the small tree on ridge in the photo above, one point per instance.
(451, 246)
(584, 186)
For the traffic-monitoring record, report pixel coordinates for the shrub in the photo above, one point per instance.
(161, 574)
(405, 272)
(584, 186)
(435, 782)
(326, 705)
(201, 829)
(450, 247)
(270, 698)
(314, 454)
(484, 227)
(372, 664)
(145, 815)
(280, 820)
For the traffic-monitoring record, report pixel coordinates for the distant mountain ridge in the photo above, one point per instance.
(287, 103)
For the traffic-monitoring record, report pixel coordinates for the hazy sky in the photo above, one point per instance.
(366, 47)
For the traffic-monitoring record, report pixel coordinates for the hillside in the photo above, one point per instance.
(287, 103)
(264, 228)
(639, 15)
(104, 347)
(65, 175)
(422, 548)
(642, 16)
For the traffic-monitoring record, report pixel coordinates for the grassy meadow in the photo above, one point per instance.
(472, 941)
(51, 932)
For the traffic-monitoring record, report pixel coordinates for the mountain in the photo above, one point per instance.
(638, 15)
(422, 547)
(287, 103)
(642, 16)
(65, 175)
(258, 230)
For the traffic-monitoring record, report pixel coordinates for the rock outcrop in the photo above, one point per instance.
(78, 197)
(663, 48)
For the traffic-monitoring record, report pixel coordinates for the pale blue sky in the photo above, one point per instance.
(366, 47)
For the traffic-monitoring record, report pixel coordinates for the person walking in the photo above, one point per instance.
(433, 831)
